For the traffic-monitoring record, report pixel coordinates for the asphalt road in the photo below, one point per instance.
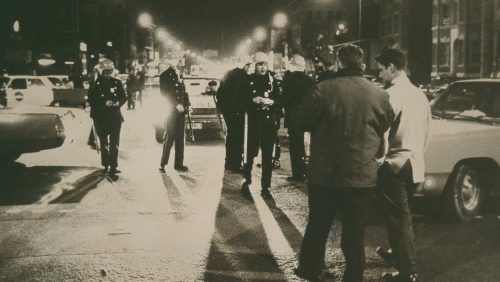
(62, 220)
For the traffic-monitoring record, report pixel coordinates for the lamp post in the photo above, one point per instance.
(146, 21)
(280, 21)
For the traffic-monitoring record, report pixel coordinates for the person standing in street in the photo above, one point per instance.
(230, 100)
(263, 110)
(132, 89)
(172, 89)
(106, 97)
(347, 117)
(296, 84)
(404, 166)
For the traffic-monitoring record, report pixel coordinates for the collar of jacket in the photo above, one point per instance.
(349, 72)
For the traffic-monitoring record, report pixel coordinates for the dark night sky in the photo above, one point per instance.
(199, 23)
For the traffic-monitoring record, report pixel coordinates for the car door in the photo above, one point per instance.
(40, 92)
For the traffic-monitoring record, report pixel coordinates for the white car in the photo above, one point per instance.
(29, 89)
(463, 156)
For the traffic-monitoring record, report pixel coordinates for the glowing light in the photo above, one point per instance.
(17, 26)
(145, 20)
(46, 62)
(260, 34)
(161, 34)
(280, 20)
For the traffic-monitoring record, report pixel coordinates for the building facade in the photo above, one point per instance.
(465, 38)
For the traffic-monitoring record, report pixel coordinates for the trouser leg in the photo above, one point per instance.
(393, 193)
(267, 146)
(297, 152)
(114, 144)
(102, 131)
(179, 141)
(322, 208)
(234, 140)
(252, 150)
(354, 209)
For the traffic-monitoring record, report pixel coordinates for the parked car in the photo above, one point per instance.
(205, 123)
(29, 89)
(28, 132)
(463, 156)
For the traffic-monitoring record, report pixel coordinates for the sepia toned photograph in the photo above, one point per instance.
(250, 140)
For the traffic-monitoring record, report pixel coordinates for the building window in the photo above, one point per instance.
(445, 12)
(396, 23)
(474, 51)
(444, 54)
(459, 52)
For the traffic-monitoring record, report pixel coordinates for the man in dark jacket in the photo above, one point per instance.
(296, 84)
(230, 99)
(177, 101)
(263, 110)
(105, 98)
(348, 117)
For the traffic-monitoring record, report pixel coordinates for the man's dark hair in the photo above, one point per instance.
(392, 56)
(351, 56)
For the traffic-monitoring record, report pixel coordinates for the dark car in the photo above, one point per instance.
(28, 132)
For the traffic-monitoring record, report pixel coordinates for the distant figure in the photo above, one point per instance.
(177, 102)
(348, 117)
(76, 78)
(230, 99)
(105, 98)
(132, 89)
(3, 94)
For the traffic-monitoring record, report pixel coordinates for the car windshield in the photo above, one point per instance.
(56, 81)
(478, 101)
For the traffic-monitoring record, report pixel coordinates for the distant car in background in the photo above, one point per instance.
(29, 89)
(59, 81)
(206, 123)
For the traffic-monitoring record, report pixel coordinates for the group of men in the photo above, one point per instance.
(366, 143)
(260, 95)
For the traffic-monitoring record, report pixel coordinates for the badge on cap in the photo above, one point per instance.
(266, 94)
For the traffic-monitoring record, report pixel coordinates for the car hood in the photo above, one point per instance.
(452, 127)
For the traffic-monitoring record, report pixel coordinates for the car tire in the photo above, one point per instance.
(7, 158)
(463, 196)
(159, 133)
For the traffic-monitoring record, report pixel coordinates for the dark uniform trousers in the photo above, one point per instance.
(266, 146)
(324, 203)
(235, 123)
(174, 134)
(109, 140)
(297, 152)
(393, 193)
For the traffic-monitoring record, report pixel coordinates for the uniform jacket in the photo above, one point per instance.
(173, 89)
(295, 87)
(347, 117)
(133, 83)
(106, 90)
(232, 91)
(262, 121)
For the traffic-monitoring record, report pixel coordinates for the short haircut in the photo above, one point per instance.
(392, 56)
(351, 56)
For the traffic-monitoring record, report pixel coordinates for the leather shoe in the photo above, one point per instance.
(313, 277)
(181, 168)
(296, 178)
(396, 277)
(162, 169)
(264, 192)
(387, 255)
(114, 171)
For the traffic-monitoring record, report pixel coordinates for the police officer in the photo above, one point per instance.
(296, 84)
(263, 110)
(105, 98)
(172, 89)
(230, 100)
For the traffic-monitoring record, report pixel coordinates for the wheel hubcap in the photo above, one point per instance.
(470, 192)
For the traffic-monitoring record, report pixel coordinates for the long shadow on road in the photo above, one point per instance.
(239, 248)
(23, 185)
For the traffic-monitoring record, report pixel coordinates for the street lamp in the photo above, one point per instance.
(16, 26)
(280, 20)
(146, 21)
(260, 34)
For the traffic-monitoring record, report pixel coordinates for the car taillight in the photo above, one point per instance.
(59, 128)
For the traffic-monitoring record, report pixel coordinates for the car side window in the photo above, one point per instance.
(458, 99)
(35, 82)
(19, 83)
